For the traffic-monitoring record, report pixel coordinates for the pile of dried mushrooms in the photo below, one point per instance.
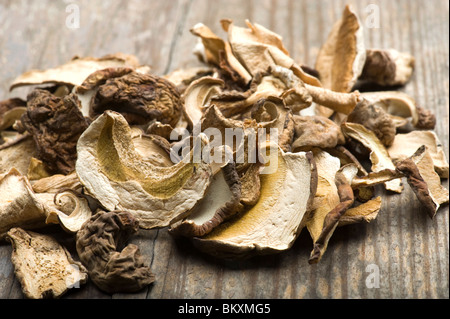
(103, 147)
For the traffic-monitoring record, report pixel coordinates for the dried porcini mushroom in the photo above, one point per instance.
(66, 208)
(55, 124)
(400, 106)
(341, 58)
(387, 67)
(405, 145)
(275, 221)
(343, 179)
(256, 47)
(218, 52)
(112, 171)
(334, 101)
(44, 268)
(429, 196)
(19, 206)
(379, 155)
(376, 119)
(140, 98)
(10, 111)
(197, 97)
(18, 154)
(365, 212)
(316, 131)
(111, 266)
(75, 71)
(326, 196)
(221, 202)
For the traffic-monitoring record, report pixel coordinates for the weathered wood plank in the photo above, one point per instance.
(410, 251)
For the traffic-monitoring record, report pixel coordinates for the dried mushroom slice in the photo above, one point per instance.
(375, 119)
(326, 196)
(74, 72)
(17, 154)
(400, 106)
(140, 98)
(424, 162)
(111, 266)
(55, 124)
(275, 221)
(44, 268)
(316, 131)
(379, 156)
(217, 50)
(272, 113)
(197, 97)
(423, 180)
(365, 212)
(221, 202)
(343, 179)
(340, 60)
(387, 67)
(113, 172)
(19, 207)
(405, 145)
(256, 47)
(54, 183)
(66, 208)
(10, 111)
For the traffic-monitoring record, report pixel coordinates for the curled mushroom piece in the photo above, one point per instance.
(402, 106)
(44, 268)
(112, 171)
(387, 67)
(365, 212)
(55, 124)
(405, 145)
(218, 51)
(379, 155)
(341, 58)
(428, 189)
(343, 180)
(111, 266)
(19, 206)
(197, 97)
(66, 208)
(221, 202)
(10, 111)
(376, 119)
(326, 196)
(275, 221)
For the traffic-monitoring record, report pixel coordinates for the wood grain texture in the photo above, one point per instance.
(410, 250)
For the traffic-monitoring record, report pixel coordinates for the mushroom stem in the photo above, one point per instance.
(339, 102)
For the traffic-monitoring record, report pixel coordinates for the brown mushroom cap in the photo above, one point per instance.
(140, 98)
(99, 245)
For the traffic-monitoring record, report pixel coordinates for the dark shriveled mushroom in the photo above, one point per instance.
(140, 98)
(111, 267)
(55, 124)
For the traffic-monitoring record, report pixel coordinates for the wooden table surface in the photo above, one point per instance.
(410, 251)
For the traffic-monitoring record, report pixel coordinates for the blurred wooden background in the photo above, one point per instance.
(410, 250)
